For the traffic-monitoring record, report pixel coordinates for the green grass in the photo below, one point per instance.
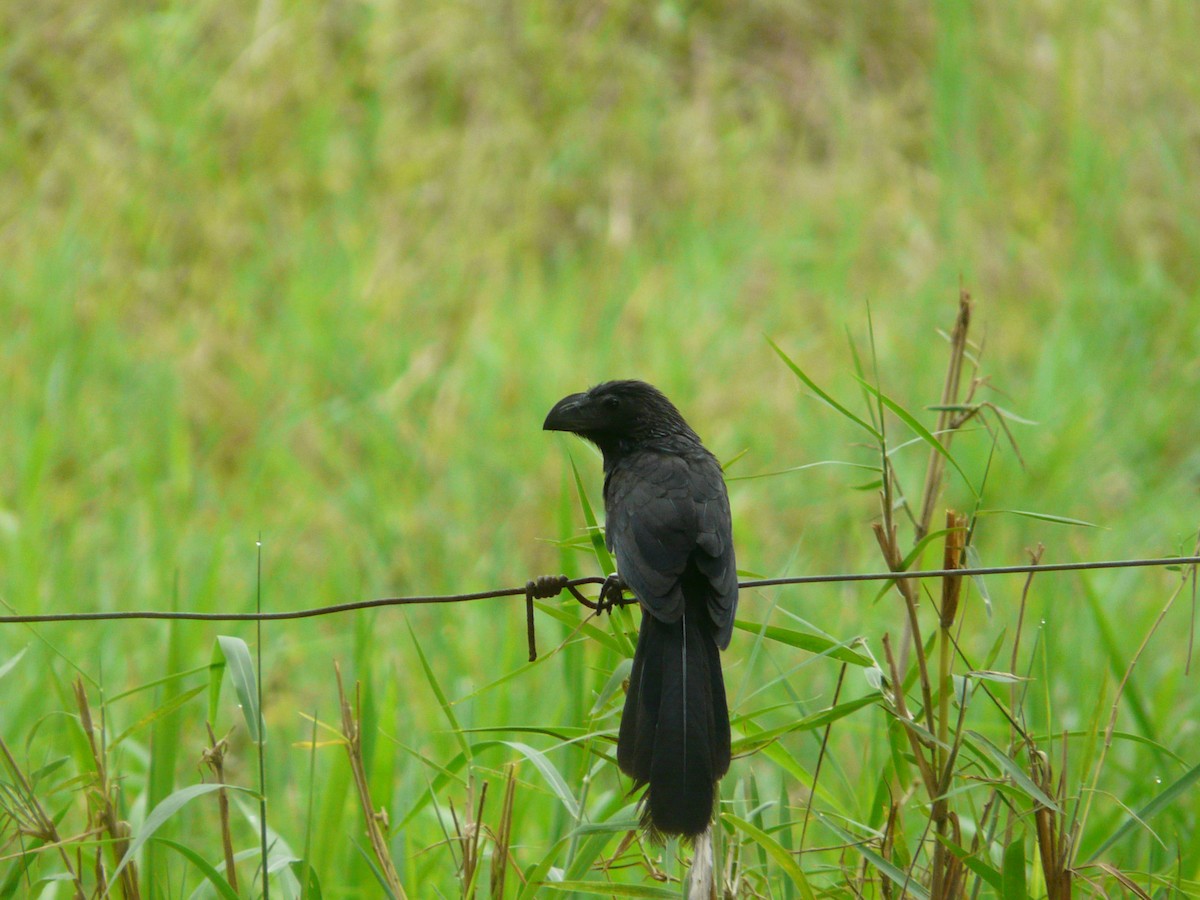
(317, 273)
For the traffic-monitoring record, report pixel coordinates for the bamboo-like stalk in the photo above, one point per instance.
(944, 862)
(944, 434)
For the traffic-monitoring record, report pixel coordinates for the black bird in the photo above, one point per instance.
(668, 525)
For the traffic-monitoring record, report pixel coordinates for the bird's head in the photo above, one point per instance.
(619, 414)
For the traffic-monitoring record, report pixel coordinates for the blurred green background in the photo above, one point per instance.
(316, 271)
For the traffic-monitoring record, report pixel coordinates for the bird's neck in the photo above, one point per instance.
(617, 450)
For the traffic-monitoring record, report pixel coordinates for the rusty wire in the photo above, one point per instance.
(611, 594)
(560, 582)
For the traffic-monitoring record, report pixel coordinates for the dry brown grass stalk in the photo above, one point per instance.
(31, 819)
(503, 834)
(469, 833)
(214, 758)
(944, 431)
(947, 868)
(373, 820)
(102, 811)
(934, 746)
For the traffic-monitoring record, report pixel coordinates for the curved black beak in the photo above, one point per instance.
(566, 415)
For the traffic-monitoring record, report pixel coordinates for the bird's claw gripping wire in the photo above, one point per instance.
(612, 591)
(612, 594)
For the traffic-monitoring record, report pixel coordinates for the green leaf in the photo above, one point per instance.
(915, 553)
(785, 860)
(162, 813)
(868, 486)
(1041, 516)
(586, 853)
(557, 783)
(1119, 736)
(812, 386)
(447, 709)
(619, 673)
(818, 719)
(233, 653)
(988, 873)
(976, 407)
(974, 562)
(218, 880)
(1115, 655)
(803, 640)
(920, 431)
(1171, 793)
(812, 465)
(779, 754)
(908, 560)
(1013, 876)
(611, 889)
(566, 734)
(1000, 677)
(448, 772)
(897, 876)
(161, 712)
(11, 663)
(569, 616)
(445, 774)
(379, 879)
(306, 877)
(1018, 775)
(603, 557)
(535, 876)
(734, 459)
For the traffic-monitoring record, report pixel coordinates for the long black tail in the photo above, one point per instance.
(674, 733)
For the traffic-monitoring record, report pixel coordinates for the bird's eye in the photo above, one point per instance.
(612, 402)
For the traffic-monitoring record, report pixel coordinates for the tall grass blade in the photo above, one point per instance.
(1169, 795)
(595, 533)
(210, 873)
(162, 813)
(893, 874)
(558, 784)
(920, 431)
(11, 663)
(815, 388)
(781, 857)
(804, 640)
(1014, 771)
(1012, 883)
(611, 889)
(1040, 516)
(447, 708)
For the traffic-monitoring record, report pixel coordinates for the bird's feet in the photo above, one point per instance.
(612, 594)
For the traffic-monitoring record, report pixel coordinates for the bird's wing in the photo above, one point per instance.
(651, 528)
(714, 540)
(666, 510)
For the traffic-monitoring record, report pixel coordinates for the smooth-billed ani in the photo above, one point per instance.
(668, 525)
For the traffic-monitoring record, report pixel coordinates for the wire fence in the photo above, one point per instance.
(555, 584)
(611, 593)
